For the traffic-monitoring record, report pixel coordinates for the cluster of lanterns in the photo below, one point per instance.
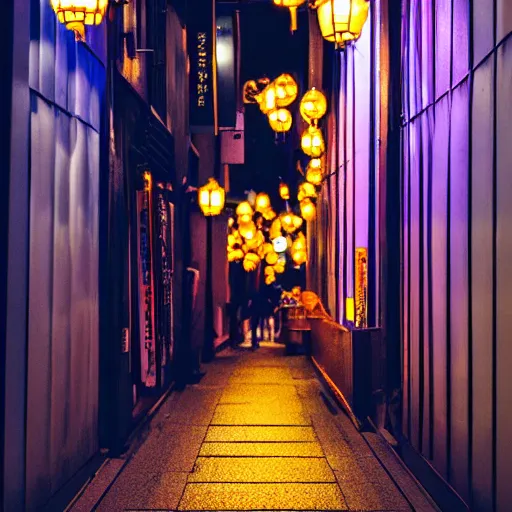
(340, 21)
(273, 99)
(258, 234)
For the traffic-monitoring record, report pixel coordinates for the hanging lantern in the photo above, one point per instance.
(284, 191)
(235, 255)
(251, 261)
(279, 268)
(290, 222)
(280, 120)
(286, 90)
(280, 244)
(307, 209)
(211, 198)
(299, 244)
(248, 231)
(299, 257)
(341, 20)
(75, 14)
(271, 258)
(262, 202)
(270, 279)
(297, 222)
(231, 221)
(292, 5)
(312, 142)
(267, 99)
(275, 229)
(306, 189)
(269, 270)
(269, 214)
(314, 172)
(244, 208)
(313, 106)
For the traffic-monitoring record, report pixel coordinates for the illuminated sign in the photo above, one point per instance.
(361, 298)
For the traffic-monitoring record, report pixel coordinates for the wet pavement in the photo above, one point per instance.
(257, 433)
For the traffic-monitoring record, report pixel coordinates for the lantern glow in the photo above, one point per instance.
(284, 191)
(286, 90)
(313, 106)
(342, 20)
(262, 202)
(307, 209)
(280, 120)
(75, 14)
(211, 198)
(314, 172)
(312, 142)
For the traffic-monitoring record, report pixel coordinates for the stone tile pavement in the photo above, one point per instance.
(254, 434)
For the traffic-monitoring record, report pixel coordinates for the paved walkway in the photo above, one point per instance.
(258, 433)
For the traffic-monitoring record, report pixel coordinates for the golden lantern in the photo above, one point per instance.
(75, 14)
(284, 191)
(299, 244)
(299, 257)
(280, 120)
(297, 221)
(307, 209)
(313, 106)
(244, 208)
(251, 261)
(312, 142)
(262, 202)
(267, 99)
(271, 258)
(211, 198)
(275, 229)
(231, 221)
(235, 255)
(292, 5)
(269, 271)
(341, 20)
(314, 172)
(267, 247)
(306, 189)
(290, 222)
(248, 231)
(269, 214)
(270, 279)
(286, 90)
(279, 268)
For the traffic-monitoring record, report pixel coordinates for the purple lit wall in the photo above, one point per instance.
(67, 86)
(456, 243)
(358, 126)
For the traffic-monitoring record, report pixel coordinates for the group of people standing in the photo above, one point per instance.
(254, 308)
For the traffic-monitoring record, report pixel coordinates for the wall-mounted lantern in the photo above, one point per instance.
(75, 14)
(341, 20)
(211, 198)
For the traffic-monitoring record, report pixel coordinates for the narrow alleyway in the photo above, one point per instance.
(257, 433)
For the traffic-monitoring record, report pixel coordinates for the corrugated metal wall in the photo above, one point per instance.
(67, 84)
(457, 242)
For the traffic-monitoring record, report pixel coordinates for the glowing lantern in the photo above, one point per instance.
(279, 268)
(275, 229)
(299, 244)
(314, 172)
(244, 208)
(269, 271)
(313, 106)
(267, 247)
(286, 90)
(292, 5)
(235, 255)
(312, 142)
(251, 261)
(290, 222)
(231, 221)
(280, 120)
(248, 231)
(262, 202)
(306, 190)
(269, 214)
(75, 14)
(342, 20)
(272, 258)
(211, 198)
(270, 279)
(308, 209)
(299, 257)
(284, 191)
(267, 99)
(297, 221)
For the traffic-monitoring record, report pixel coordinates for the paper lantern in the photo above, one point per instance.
(299, 257)
(306, 189)
(286, 90)
(313, 106)
(75, 14)
(262, 202)
(269, 270)
(342, 20)
(248, 231)
(314, 172)
(244, 208)
(270, 279)
(251, 262)
(280, 120)
(284, 191)
(269, 214)
(312, 142)
(211, 198)
(307, 209)
(235, 255)
(271, 258)
(279, 268)
(267, 99)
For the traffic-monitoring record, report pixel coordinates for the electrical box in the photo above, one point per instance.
(232, 149)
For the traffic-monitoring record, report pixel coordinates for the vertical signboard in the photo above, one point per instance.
(361, 287)
(201, 47)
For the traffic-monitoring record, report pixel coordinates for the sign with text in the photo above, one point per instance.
(201, 44)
